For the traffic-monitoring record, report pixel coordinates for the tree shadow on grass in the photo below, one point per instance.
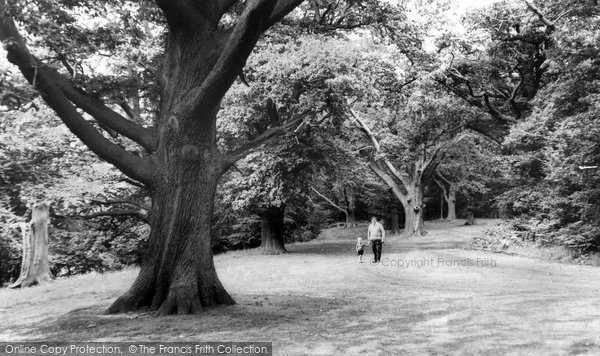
(246, 320)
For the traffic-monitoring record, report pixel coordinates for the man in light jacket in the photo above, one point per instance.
(376, 236)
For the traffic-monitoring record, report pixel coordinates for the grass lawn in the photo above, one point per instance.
(319, 300)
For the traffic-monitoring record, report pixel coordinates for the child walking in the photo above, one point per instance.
(360, 248)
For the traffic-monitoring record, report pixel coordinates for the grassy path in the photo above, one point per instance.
(429, 295)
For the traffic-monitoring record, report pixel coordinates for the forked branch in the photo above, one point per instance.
(260, 140)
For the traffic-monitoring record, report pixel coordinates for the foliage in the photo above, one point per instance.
(35, 166)
(556, 198)
(10, 245)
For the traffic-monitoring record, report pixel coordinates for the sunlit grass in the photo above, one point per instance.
(319, 300)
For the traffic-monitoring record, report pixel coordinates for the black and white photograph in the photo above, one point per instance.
(289, 177)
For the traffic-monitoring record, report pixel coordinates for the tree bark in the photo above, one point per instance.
(413, 211)
(183, 164)
(273, 228)
(394, 219)
(178, 274)
(448, 194)
(470, 212)
(442, 206)
(350, 198)
(451, 200)
(35, 268)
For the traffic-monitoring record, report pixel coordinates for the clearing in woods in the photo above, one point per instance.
(319, 300)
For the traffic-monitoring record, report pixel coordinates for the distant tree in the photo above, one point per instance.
(416, 139)
(470, 169)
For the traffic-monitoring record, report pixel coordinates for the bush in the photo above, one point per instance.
(78, 246)
(10, 246)
(580, 238)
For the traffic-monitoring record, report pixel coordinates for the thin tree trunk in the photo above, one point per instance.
(470, 212)
(451, 203)
(350, 198)
(273, 228)
(35, 268)
(394, 219)
(442, 206)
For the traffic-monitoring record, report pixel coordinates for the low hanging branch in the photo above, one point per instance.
(57, 95)
(345, 211)
(115, 213)
(122, 201)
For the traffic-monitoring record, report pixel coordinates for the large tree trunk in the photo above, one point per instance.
(181, 164)
(413, 211)
(34, 267)
(178, 274)
(273, 228)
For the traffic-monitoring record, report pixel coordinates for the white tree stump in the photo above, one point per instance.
(34, 266)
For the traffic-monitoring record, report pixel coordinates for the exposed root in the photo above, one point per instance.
(185, 300)
(123, 304)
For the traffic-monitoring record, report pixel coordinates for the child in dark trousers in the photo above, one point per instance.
(360, 248)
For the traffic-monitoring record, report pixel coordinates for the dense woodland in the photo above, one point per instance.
(161, 132)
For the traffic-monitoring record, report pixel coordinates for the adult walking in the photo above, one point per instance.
(376, 236)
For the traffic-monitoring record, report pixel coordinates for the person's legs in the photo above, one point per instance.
(374, 246)
(377, 250)
(360, 254)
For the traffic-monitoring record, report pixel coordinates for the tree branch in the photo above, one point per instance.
(390, 182)
(495, 112)
(441, 185)
(377, 147)
(427, 163)
(133, 182)
(345, 211)
(19, 55)
(121, 201)
(103, 114)
(184, 15)
(133, 166)
(486, 97)
(224, 5)
(260, 140)
(232, 59)
(513, 95)
(282, 8)
(549, 24)
(134, 213)
(442, 177)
